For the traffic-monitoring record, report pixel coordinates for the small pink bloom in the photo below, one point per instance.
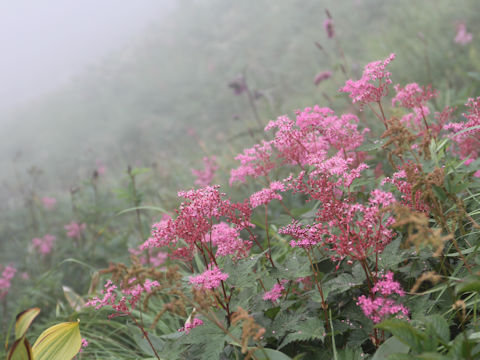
(44, 245)
(74, 230)
(101, 169)
(49, 203)
(379, 307)
(322, 76)
(6, 280)
(328, 26)
(209, 279)
(276, 292)
(463, 37)
(373, 85)
(84, 344)
(263, 197)
(190, 325)
(204, 177)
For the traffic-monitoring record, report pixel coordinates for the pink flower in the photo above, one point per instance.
(255, 162)
(74, 230)
(328, 26)
(204, 177)
(379, 307)
(467, 141)
(194, 223)
(373, 85)
(322, 76)
(264, 196)
(463, 37)
(44, 245)
(189, 325)
(412, 96)
(6, 280)
(49, 203)
(101, 169)
(84, 344)
(228, 241)
(209, 279)
(276, 292)
(131, 295)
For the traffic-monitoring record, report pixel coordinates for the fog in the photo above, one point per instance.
(45, 43)
(149, 83)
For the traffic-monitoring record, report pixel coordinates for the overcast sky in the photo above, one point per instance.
(43, 43)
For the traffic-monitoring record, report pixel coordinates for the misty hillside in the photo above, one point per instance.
(156, 99)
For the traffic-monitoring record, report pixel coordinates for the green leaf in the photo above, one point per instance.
(470, 284)
(391, 346)
(440, 326)
(59, 342)
(20, 350)
(24, 320)
(405, 332)
(306, 330)
(270, 354)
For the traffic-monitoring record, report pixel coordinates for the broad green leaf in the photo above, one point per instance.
(405, 332)
(470, 284)
(24, 320)
(391, 346)
(20, 350)
(440, 326)
(59, 342)
(270, 354)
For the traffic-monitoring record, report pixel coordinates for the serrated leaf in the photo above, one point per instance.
(340, 283)
(24, 320)
(20, 350)
(440, 326)
(307, 330)
(59, 342)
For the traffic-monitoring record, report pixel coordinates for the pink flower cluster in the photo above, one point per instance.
(379, 307)
(463, 37)
(49, 203)
(347, 230)
(409, 198)
(190, 325)
(128, 301)
(316, 134)
(414, 97)
(468, 140)
(266, 195)
(84, 345)
(44, 245)
(6, 280)
(194, 225)
(373, 85)
(209, 279)
(228, 241)
(205, 176)
(74, 230)
(276, 292)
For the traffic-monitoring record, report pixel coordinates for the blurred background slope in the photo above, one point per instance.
(160, 98)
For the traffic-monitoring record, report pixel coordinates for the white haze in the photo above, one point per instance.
(44, 43)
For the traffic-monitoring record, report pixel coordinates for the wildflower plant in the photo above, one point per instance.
(336, 266)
